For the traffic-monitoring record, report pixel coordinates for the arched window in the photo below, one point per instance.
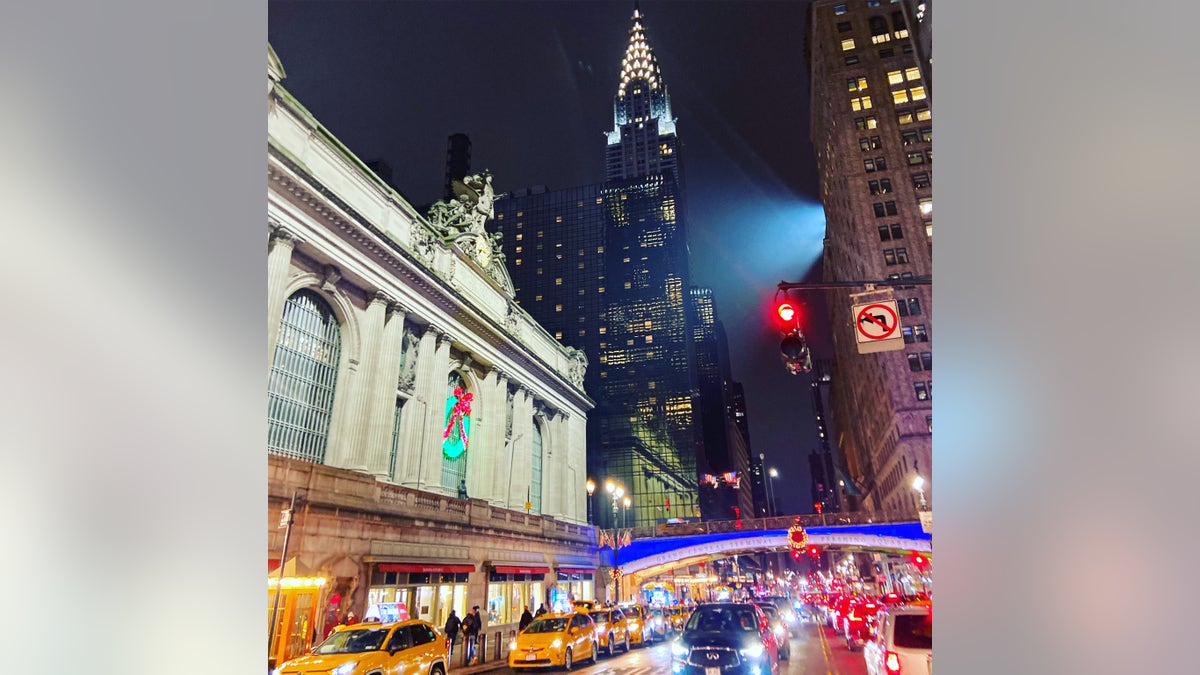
(303, 376)
(535, 476)
(456, 433)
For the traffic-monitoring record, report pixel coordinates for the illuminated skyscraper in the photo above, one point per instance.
(605, 269)
(872, 129)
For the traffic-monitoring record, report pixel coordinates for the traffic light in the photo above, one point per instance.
(795, 354)
(788, 314)
(920, 561)
(814, 552)
(796, 554)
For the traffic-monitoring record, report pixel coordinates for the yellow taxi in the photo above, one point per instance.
(637, 621)
(611, 629)
(555, 640)
(679, 616)
(413, 646)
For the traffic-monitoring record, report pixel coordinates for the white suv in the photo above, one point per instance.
(903, 643)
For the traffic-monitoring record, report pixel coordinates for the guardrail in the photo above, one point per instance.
(773, 523)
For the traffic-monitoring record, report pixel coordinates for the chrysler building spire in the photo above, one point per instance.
(642, 140)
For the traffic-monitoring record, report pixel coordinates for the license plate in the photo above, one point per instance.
(531, 657)
(712, 671)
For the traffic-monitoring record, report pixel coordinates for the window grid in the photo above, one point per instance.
(303, 379)
(535, 476)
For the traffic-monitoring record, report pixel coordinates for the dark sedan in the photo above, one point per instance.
(721, 638)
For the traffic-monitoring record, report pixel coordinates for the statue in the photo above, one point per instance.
(473, 205)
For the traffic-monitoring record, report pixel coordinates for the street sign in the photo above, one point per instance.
(283, 518)
(877, 327)
(927, 522)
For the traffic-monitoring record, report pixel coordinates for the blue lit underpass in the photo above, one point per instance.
(681, 552)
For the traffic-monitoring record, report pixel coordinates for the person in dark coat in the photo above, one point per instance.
(453, 623)
(470, 626)
(541, 610)
(526, 619)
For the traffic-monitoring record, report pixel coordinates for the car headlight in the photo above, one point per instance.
(779, 630)
(277, 670)
(556, 644)
(678, 649)
(512, 646)
(751, 652)
(344, 669)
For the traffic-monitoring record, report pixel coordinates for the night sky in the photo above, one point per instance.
(532, 84)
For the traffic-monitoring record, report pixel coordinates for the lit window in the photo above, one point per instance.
(558, 308)
(628, 285)
(920, 334)
(926, 205)
(629, 342)
(863, 103)
(520, 236)
(895, 77)
(520, 213)
(923, 115)
(921, 180)
(873, 185)
(863, 144)
(539, 234)
(558, 335)
(600, 290)
(912, 73)
(869, 165)
(558, 281)
(518, 261)
(539, 271)
(876, 144)
(839, 9)
(880, 39)
(537, 298)
(921, 391)
(581, 292)
(907, 333)
(856, 83)
(916, 158)
(902, 256)
(928, 418)
(872, 3)
(557, 219)
(649, 339)
(927, 134)
(908, 137)
(847, 44)
(889, 256)
(904, 117)
(872, 123)
(929, 228)
(603, 330)
(917, 93)
(599, 249)
(900, 96)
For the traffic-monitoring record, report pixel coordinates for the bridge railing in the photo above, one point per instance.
(772, 523)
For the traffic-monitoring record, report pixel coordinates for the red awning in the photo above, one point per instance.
(521, 570)
(272, 564)
(419, 567)
(577, 570)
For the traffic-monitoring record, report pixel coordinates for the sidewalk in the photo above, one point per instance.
(488, 667)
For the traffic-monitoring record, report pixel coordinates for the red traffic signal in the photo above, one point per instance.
(796, 554)
(920, 561)
(786, 311)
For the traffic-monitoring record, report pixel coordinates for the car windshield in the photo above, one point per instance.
(914, 631)
(720, 619)
(556, 625)
(656, 612)
(353, 641)
(769, 610)
(600, 617)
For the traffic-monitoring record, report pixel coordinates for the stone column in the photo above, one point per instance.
(518, 475)
(575, 503)
(498, 475)
(487, 439)
(416, 429)
(280, 245)
(430, 477)
(383, 409)
(358, 419)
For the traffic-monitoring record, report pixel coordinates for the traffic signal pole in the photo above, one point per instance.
(831, 285)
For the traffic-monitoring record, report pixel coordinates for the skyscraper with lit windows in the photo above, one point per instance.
(605, 269)
(872, 130)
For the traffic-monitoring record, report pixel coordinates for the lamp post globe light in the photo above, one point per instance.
(772, 474)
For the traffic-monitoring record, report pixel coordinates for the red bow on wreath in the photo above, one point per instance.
(461, 409)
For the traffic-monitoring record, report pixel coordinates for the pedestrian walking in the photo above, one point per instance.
(470, 627)
(453, 623)
(526, 618)
(541, 610)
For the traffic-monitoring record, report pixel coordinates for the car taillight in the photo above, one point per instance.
(891, 661)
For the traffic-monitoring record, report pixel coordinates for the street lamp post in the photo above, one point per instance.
(772, 475)
(591, 489)
(625, 512)
(918, 484)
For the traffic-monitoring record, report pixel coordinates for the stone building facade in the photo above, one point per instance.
(434, 434)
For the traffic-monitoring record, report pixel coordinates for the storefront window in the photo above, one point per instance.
(428, 596)
(509, 595)
(572, 587)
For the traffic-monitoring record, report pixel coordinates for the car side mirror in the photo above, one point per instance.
(573, 630)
